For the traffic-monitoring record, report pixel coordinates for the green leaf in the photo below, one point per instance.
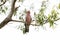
(54, 14)
(15, 13)
(0, 8)
(21, 0)
(3, 11)
(25, 11)
(6, 8)
(59, 6)
(42, 10)
(51, 22)
(2, 0)
(20, 17)
(40, 19)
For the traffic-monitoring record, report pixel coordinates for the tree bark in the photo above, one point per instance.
(4, 22)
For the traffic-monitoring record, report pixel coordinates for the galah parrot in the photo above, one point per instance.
(27, 21)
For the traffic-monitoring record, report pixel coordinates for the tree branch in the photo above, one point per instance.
(17, 21)
(4, 22)
(12, 9)
(24, 22)
(54, 20)
(17, 8)
(57, 19)
(8, 18)
(46, 21)
(3, 3)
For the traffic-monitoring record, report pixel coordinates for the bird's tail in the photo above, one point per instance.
(26, 28)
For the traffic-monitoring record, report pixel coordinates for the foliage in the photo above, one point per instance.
(3, 9)
(52, 17)
(41, 18)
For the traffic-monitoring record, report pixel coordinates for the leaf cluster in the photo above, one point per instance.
(52, 17)
(3, 9)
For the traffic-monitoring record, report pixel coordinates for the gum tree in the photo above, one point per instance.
(40, 18)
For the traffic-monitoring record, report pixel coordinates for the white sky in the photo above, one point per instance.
(10, 31)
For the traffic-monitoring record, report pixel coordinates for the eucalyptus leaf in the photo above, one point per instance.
(51, 23)
(59, 6)
(2, 0)
(0, 8)
(6, 8)
(3, 11)
(15, 13)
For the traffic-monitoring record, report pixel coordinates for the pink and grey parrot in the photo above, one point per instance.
(27, 21)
